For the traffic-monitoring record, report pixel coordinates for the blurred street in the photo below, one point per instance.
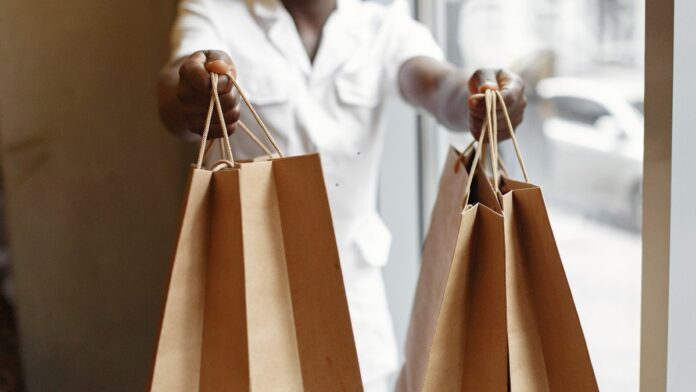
(603, 264)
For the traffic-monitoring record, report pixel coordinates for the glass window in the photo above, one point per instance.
(591, 52)
(639, 105)
(578, 110)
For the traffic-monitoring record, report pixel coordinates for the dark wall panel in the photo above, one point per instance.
(93, 186)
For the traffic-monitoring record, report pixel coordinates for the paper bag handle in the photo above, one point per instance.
(248, 104)
(503, 167)
(490, 129)
(225, 142)
(513, 136)
(485, 130)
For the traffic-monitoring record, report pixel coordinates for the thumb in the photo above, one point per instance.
(482, 80)
(219, 62)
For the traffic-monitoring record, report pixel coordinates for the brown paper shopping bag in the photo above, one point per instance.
(456, 339)
(546, 343)
(256, 298)
(543, 347)
(547, 348)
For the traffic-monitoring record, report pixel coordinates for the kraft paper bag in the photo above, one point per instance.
(256, 298)
(546, 343)
(457, 334)
(545, 349)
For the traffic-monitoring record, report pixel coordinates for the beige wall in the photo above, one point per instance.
(93, 186)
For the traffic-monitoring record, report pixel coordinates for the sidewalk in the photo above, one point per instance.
(603, 264)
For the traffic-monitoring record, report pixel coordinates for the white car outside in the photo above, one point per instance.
(594, 130)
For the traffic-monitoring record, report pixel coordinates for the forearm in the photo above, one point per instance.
(438, 87)
(170, 108)
(457, 101)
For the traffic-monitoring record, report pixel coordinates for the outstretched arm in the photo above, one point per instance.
(456, 99)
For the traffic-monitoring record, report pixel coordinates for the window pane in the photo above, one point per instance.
(582, 139)
(578, 110)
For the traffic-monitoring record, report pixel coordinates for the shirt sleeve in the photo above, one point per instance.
(407, 39)
(194, 29)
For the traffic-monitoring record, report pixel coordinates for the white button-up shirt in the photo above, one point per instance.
(334, 106)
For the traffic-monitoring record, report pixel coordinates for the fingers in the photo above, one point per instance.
(215, 131)
(482, 80)
(194, 77)
(231, 116)
(198, 104)
(196, 123)
(219, 67)
(515, 118)
(510, 85)
(511, 89)
(195, 88)
(193, 74)
(514, 110)
(476, 125)
(477, 105)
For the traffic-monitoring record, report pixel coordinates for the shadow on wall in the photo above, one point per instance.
(92, 184)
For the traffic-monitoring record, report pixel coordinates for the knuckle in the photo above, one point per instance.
(186, 68)
(229, 100)
(233, 114)
(224, 85)
(195, 127)
(190, 74)
(478, 74)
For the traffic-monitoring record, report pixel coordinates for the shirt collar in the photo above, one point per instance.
(265, 9)
(340, 36)
(272, 9)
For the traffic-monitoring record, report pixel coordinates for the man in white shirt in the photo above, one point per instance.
(319, 73)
